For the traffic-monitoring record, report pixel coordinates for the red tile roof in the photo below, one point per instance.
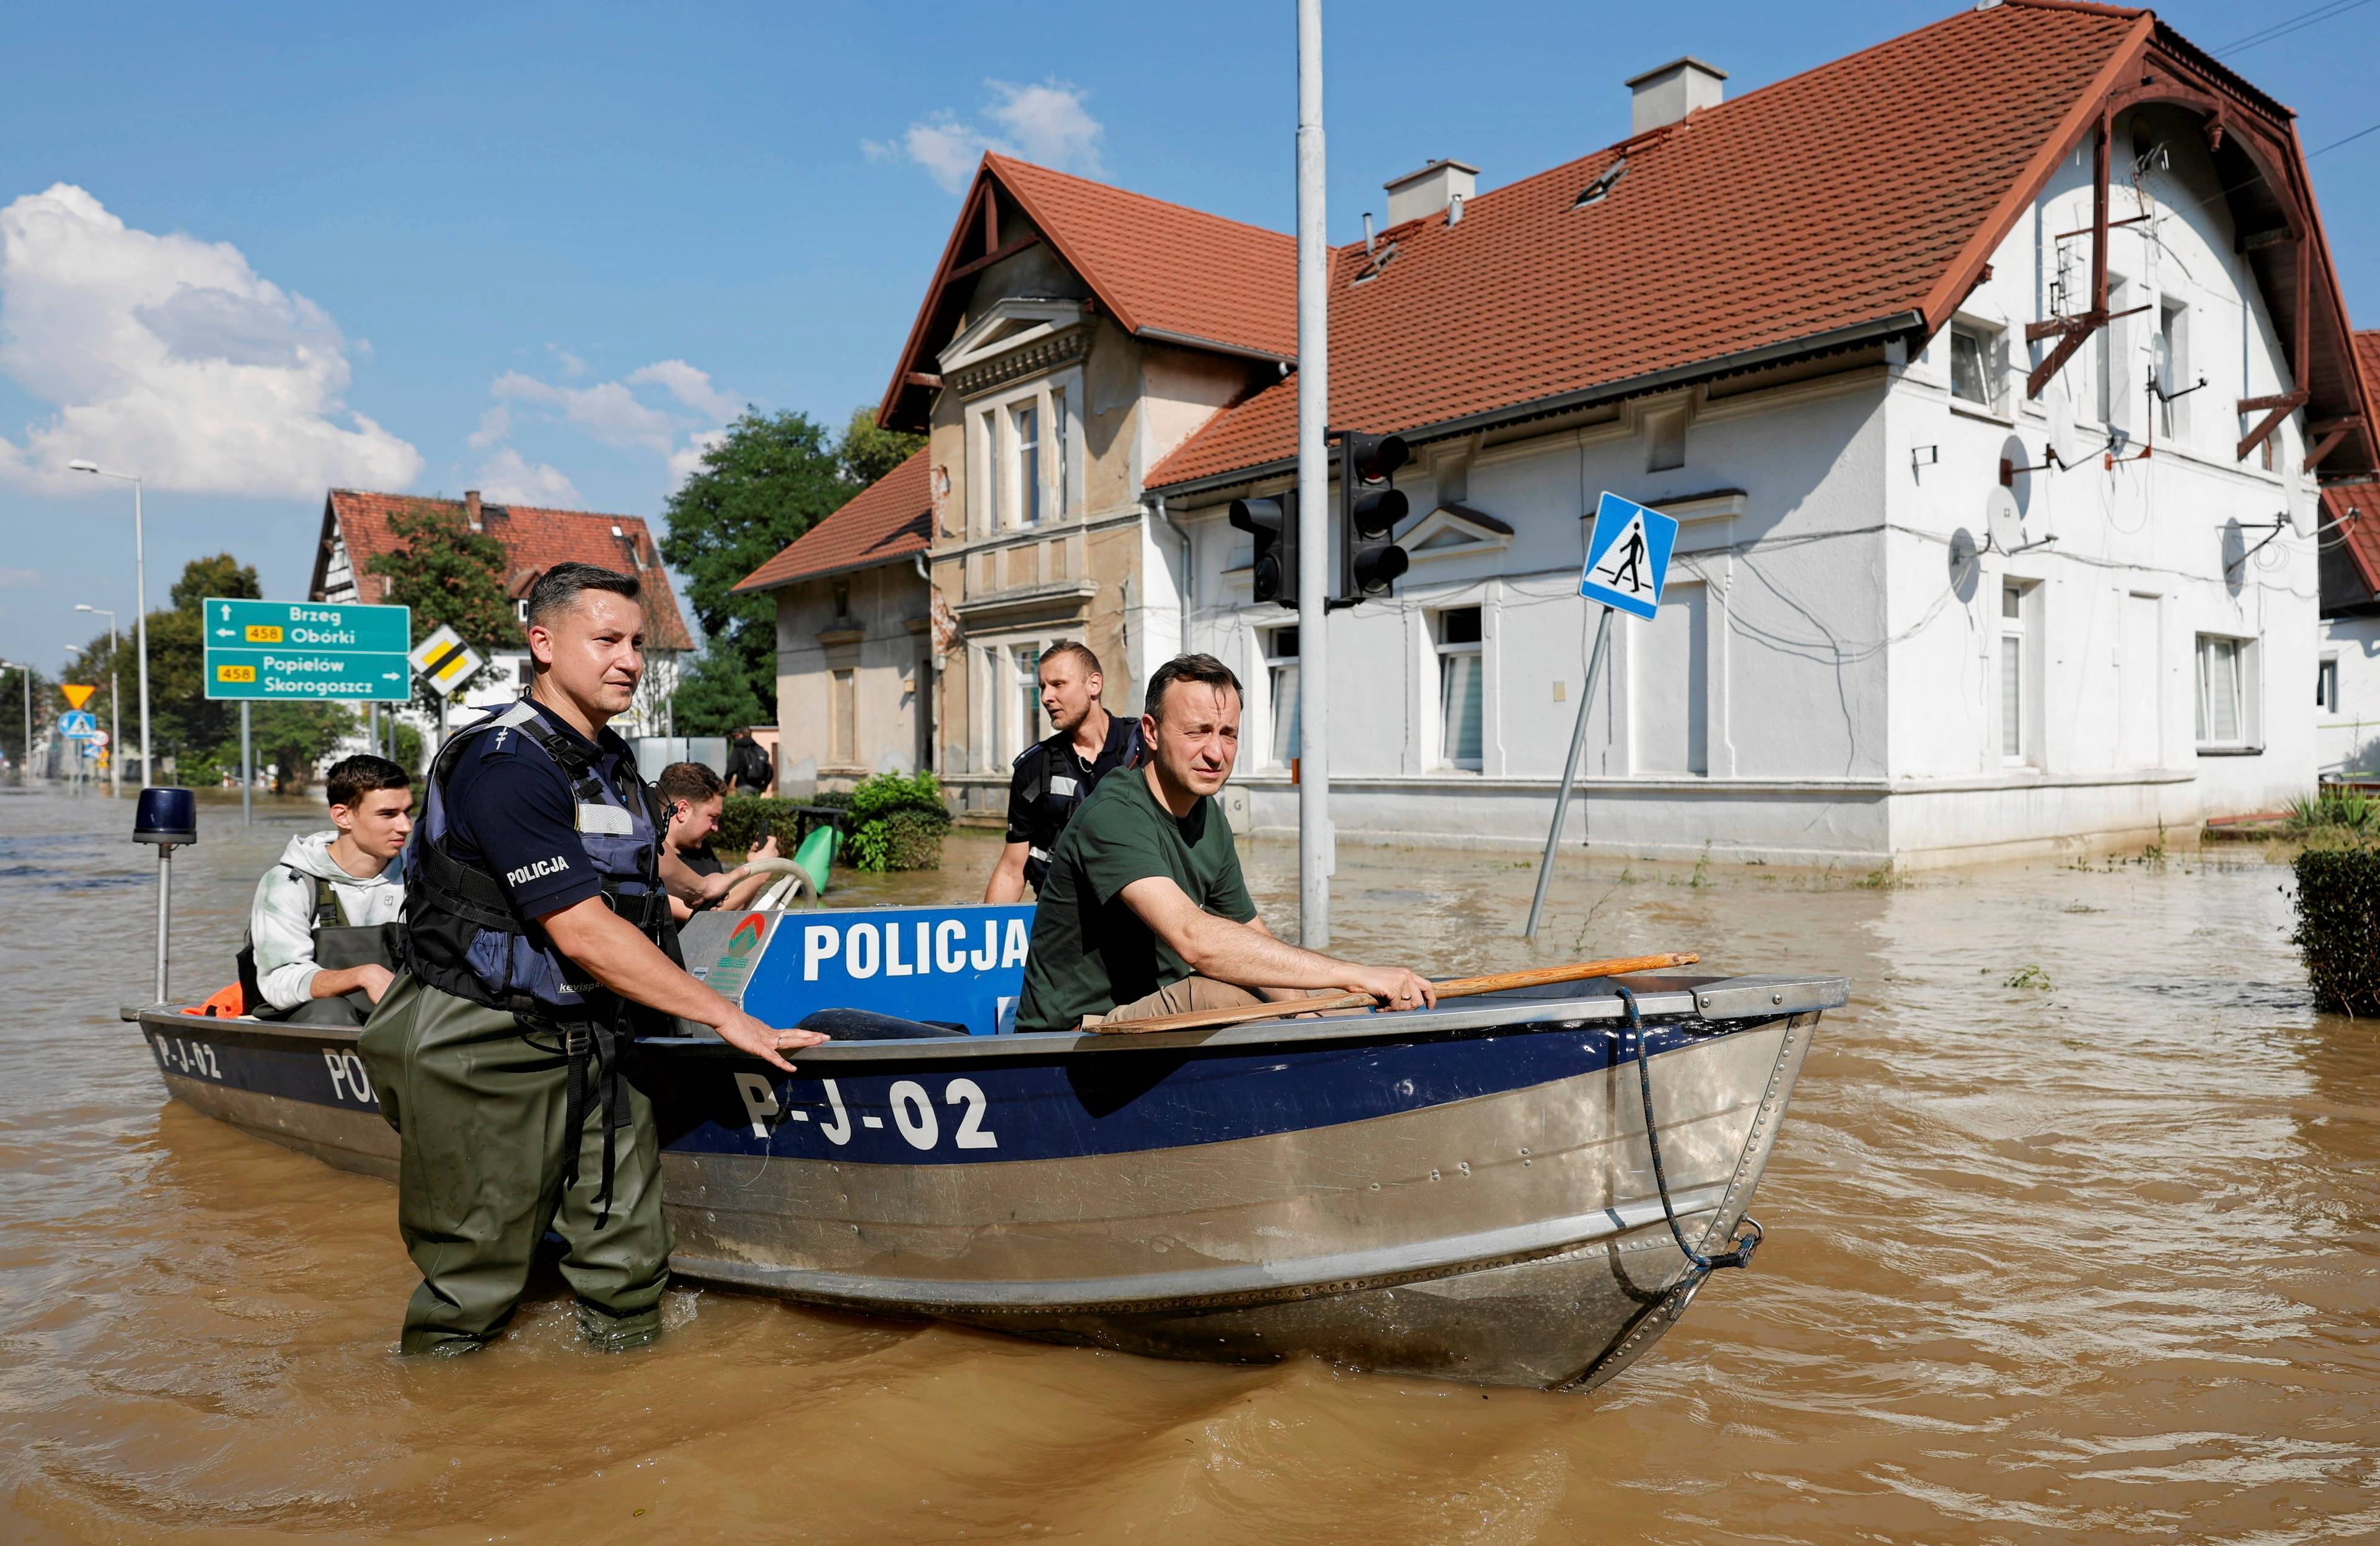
(534, 540)
(1843, 196)
(890, 519)
(2354, 508)
(1164, 270)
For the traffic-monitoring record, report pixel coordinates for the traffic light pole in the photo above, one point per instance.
(1315, 854)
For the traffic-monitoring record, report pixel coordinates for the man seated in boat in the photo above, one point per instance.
(536, 948)
(695, 798)
(320, 949)
(1051, 778)
(1144, 911)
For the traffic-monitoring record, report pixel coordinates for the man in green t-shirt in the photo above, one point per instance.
(1144, 912)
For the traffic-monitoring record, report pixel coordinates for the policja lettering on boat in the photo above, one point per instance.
(537, 941)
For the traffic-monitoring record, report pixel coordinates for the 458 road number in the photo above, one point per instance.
(913, 1112)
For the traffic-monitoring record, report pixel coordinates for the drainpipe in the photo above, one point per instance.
(1189, 570)
(929, 678)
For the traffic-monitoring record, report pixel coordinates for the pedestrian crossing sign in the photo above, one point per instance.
(1628, 556)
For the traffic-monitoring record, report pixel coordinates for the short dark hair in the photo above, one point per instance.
(1076, 649)
(688, 782)
(558, 588)
(351, 778)
(1204, 670)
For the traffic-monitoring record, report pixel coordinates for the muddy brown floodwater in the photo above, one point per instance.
(2087, 1258)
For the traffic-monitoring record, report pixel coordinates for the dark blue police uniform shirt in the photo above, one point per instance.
(511, 813)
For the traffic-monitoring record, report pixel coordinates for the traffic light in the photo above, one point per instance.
(1368, 495)
(1273, 524)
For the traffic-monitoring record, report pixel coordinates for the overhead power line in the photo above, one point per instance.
(2294, 24)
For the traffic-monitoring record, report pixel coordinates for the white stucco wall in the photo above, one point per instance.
(2347, 734)
(1849, 699)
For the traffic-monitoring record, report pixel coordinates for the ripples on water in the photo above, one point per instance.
(2088, 1259)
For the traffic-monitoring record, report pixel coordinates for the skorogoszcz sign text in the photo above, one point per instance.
(307, 650)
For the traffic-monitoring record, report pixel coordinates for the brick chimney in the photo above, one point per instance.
(1668, 94)
(471, 509)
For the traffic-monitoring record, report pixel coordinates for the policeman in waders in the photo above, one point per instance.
(1051, 778)
(537, 944)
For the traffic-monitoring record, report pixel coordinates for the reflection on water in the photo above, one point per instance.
(2085, 1258)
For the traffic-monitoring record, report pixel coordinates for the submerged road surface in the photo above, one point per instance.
(2070, 1237)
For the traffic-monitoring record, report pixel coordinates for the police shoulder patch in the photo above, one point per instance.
(1033, 751)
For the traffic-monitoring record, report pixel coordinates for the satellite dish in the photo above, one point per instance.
(2018, 458)
(2063, 439)
(2302, 516)
(2161, 363)
(2003, 521)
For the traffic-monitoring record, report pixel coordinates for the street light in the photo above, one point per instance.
(114, 719)
(141, 600)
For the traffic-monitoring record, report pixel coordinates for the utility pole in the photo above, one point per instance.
(1316, 848)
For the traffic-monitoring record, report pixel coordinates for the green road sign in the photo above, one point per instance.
(307, 650)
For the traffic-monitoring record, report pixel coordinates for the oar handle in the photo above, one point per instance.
(1460, 988)
(1540, 976)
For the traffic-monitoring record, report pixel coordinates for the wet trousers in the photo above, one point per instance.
(479, 1110)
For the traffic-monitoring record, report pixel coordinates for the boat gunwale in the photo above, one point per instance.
(1664, 998)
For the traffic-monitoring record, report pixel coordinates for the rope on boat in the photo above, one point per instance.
(1700, 1265)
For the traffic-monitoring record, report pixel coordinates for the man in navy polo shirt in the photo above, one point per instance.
(537, 941)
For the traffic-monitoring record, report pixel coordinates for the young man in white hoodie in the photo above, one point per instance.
(323, 952)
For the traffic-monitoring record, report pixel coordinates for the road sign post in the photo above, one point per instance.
(307, 651)
(1627, 565)
(247, 769)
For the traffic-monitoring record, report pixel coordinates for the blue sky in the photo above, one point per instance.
(541, 249)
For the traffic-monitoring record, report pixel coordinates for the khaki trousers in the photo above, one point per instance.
(1200, 993)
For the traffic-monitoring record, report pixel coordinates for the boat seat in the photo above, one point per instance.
(867, 1025)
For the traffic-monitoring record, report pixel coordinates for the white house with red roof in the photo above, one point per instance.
(2347, 675)
(855, 636)
(1837, 326)
(358, 526)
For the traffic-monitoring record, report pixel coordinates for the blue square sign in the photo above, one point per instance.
(1627, 557)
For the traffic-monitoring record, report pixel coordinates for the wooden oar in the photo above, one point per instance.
(1459, 987)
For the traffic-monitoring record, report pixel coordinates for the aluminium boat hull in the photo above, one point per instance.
(1459, 1193)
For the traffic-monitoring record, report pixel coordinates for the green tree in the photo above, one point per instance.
(867, 452)
(220, 575)
(292, 737)
(12, 712)
(714, 697)
(451, 576)
(769, 480)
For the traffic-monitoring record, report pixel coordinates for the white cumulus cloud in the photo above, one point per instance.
(508, 477)
(1047, 123)
(171, 356)
(679, 430)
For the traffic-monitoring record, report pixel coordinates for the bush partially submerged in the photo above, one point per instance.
(896, 823)
(2339, 928)
(2334, 805)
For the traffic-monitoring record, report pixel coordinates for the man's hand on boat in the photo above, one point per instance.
(616, 954)
(1247, 955)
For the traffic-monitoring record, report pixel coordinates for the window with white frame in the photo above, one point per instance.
(1462, 686)
(1280, 694)
(2225, 693)
(2325, 685)
(1973, 375)
(1021, 456)
(1027, 658)
(2013, 684)
(2173, 326)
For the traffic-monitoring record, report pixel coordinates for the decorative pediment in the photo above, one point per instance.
(1017, 335)
(1454, 531)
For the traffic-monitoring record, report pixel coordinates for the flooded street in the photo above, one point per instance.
(2070, 1237)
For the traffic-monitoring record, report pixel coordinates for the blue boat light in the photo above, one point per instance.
(166, 816)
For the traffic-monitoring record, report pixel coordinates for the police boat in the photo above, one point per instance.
(1524, 1188)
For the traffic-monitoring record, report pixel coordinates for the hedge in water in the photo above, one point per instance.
(897, 823)
(2339, 928)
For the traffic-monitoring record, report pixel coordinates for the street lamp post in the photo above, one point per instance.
(140, 601)
(115, 717)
